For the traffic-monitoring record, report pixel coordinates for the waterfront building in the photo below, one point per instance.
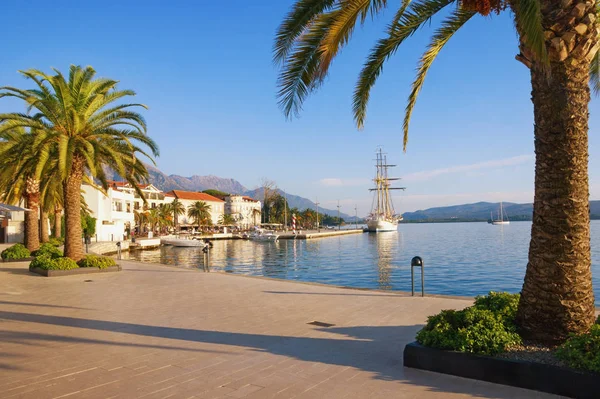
(12, 224)
(245, 210)
(187, 198)
(154, 196)
(113, 210)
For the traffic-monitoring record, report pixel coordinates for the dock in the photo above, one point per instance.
(308, 235)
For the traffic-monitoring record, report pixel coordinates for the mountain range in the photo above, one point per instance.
(481, 211)
(166, 183)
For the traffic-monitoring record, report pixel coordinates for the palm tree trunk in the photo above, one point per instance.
(44, 236)
(557, 297)
(72, 204)
(57, 221)
(32, 198)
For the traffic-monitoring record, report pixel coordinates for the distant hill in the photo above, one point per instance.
(480, 211)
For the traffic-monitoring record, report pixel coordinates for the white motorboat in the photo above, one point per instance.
(263, 235)
(182, 242)
(383, 216)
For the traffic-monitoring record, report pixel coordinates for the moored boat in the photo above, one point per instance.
(263, 235)
(382, 216)
(182, 242)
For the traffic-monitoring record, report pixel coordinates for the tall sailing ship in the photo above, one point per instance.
(383, 217)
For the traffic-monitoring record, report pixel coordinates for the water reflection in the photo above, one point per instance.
(460, 258)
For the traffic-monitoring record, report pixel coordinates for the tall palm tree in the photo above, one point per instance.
(178, 210)
(165, 213)
(558, 42)
(85, 119)
(199, 211)
(22, 164)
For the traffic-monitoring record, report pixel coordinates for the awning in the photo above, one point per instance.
(12, 208)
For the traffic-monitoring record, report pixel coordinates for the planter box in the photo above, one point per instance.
(81, 270)
(529, 375)
(17, 260)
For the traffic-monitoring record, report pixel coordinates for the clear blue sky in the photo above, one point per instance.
(204, 69)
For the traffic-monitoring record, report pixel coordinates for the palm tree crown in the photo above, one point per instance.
(199, 211)
(82, 119)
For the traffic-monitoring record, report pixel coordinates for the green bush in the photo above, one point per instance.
(598, 320)
(101, 262)
(582, 351)
(48, 249)
(17, 251)
(500, 303)
(47, 262)
(57, 242)
(472, 330)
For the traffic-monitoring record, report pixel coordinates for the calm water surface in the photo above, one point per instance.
(460, 258)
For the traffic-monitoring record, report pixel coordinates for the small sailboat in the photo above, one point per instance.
(383, 216)
(502, 217)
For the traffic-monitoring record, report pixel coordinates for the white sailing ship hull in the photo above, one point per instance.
(382, 225)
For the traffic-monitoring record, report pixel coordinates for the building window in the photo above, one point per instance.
(136, 206)
(153, 205)
(128, 207)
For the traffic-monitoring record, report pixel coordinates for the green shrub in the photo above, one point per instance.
(101, 262)
(65, 264)
(57, 242)
(47, 262)
(17, 251)
(472, 330)
(582, 351)
(48, 249)
(500, 303)
(598, 320)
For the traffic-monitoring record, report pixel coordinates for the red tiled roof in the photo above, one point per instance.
(249, 199)
(190, 195)
(170, 195)
(117, 184)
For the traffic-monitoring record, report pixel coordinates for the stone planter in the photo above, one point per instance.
(529, 375)
(72, 272)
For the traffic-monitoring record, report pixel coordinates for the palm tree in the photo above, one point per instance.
(85, 120)
(22, 164)
(178, 209)
(558, 42)
(165, 213)
(226, 219)
(199, 211)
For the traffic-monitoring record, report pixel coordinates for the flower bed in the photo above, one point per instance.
(480, 342)
(51, 264)
(15, 253)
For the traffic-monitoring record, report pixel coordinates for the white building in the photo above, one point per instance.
(12, 224)
(113, 211)
(245, 210)
(154, 197)
(187, 198)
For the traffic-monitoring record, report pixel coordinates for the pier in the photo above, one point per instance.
(317, 234)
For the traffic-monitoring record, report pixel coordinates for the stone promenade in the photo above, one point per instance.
(153, 331)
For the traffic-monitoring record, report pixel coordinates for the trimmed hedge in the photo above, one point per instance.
(17, 251)
(48, 249)
(101, 262)
(582, 351)
(486, 328)
(47, 262)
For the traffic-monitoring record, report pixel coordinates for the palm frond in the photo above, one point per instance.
(595, 74)
(449, 27)
(409, 18)
(295, 23)
(299, 73)
(528, 17)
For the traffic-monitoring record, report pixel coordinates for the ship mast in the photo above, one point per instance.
(382, 186)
